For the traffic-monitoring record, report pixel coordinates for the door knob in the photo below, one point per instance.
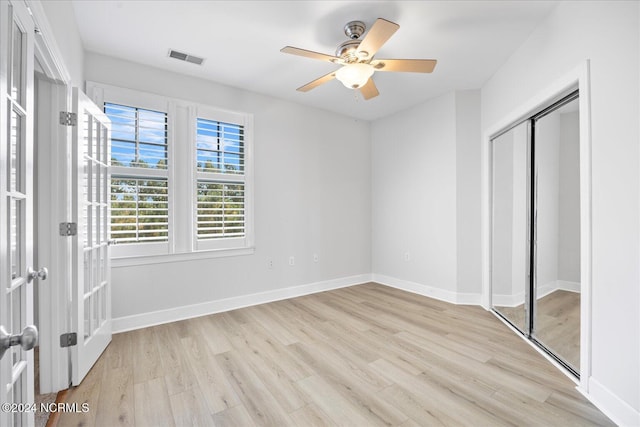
(27, 339)
(40, 274)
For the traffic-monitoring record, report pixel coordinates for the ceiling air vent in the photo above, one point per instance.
(185, 57)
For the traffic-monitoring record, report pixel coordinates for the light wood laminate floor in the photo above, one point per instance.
(361, 356)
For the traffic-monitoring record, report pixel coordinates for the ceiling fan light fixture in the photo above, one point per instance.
(354, 76)
(356, 57)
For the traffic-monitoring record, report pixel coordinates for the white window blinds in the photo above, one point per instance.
(139, 210)
(220, 164)
(139, 179)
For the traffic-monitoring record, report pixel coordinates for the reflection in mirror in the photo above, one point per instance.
(509, 236)
(557, 266)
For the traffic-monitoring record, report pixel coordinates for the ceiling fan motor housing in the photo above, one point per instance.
(354, 29)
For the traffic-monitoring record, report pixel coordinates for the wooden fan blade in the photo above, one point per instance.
(369, 90)
(380, 32)
(309, 54)
(406, 65)
(317, 82)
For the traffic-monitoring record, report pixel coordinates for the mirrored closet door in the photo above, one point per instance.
(535, 237)
(511, 253)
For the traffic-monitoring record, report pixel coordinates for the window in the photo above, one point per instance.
(220, 180)
(180, 177)
(139, 200)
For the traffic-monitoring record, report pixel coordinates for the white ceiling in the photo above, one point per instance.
(241, 41)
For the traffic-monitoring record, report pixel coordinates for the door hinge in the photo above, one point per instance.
(68, 119)
(68, 228)
(68, 340)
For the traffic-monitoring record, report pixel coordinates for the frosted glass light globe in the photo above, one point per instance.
(355, 76)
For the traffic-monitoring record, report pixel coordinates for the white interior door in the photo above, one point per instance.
(53, 194)
(18, 335)
(91, 290)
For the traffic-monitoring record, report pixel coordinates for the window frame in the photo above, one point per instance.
(182, 176)
(138, 173)
(209, 113)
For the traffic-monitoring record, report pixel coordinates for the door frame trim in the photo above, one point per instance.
(53, 312)
(578, 78)
(46, 49)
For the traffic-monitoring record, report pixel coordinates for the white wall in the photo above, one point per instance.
(547, 153)
(569, 199)
(607, 34)
(509, 242)
(468, 191)
(558, 195)
(504, 243)
(426, 204)
(312, 187)
(414, 195)
(520, 229)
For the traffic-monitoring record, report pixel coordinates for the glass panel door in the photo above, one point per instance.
(91, 291)
(16, 209)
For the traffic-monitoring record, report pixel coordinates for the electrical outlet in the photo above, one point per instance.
(292, 260)
(315, 257)
(407, 256)
(270, 264)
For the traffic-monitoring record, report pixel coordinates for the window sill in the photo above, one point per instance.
(179, 257)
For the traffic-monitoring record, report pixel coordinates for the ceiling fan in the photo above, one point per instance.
(357, 58)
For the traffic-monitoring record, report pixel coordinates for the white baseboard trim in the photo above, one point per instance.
(566, 285)
(619, 411)
(144, 320)
(508, 300)
(544, 290)
(558, 285)
(428, 291)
